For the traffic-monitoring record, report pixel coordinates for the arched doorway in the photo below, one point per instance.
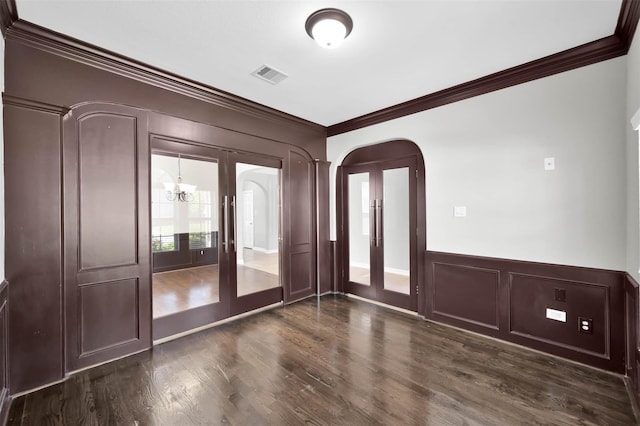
(381, 224)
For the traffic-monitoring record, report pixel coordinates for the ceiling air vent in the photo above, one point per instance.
(269, 74)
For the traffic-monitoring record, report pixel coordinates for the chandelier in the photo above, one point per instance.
(179, 191)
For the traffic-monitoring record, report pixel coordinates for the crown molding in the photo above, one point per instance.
(58, 44)
(586, 54)
(8, 14)
(15, 101)
(627, 22)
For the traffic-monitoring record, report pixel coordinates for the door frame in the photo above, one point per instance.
(369, 156)
(229, 304)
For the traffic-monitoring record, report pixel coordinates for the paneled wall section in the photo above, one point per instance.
(509, 299)
(48, 75)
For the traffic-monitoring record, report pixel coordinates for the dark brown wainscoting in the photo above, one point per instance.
(49, 76)
(322, 225)
(184, 256)
(5, 400)
(632, 315)
(507, 299)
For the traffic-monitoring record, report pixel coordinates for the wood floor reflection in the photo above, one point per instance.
(339, 362)
(393, 282)
(182, 289)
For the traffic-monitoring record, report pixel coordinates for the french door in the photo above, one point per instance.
(204, 269)
(379, 217)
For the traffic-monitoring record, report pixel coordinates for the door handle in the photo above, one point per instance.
(372, 205)
(225, 223)
(378, 218)
(233, 207)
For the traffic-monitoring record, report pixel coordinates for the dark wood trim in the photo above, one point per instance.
(475, 289)
(33, 105)
(8, 14)
(628, 22)
(373, 159)
(323, 267)
(5, 389)
(632, 327)
(77, 50)
(587, 54)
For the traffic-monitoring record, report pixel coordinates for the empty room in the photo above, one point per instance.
(335, 213)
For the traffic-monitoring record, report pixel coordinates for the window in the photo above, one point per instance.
(201, 221)
(163, 237)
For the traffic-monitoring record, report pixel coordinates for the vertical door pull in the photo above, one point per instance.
(225, 220)
(378, 222)
(373, 210)
(233, 207)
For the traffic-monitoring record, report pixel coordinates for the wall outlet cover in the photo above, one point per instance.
(459, 211)
(550, 163)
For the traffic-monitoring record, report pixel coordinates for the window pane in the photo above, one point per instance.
(359, 261)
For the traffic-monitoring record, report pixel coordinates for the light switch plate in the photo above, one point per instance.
(550, 163)
(460, 211)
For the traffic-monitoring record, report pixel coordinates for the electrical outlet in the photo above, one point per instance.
(585, 325)
(561, 294)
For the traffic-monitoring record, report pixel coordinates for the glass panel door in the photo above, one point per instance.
(215, 234)
(396, 220)
(360, 232)
(380, 231)
(184, 233)
(257, 230)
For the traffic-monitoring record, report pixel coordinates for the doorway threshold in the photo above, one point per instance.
(214, 324)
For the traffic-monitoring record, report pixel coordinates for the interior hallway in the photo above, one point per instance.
(342, 362)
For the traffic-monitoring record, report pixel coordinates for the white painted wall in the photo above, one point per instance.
(486, 153)
(633, 104)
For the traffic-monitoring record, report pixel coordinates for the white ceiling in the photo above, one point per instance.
(398, 50)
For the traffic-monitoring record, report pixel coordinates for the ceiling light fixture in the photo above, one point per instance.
(179, 191)
(329, 27)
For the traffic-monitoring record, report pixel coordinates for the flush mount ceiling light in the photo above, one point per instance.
(329, 27)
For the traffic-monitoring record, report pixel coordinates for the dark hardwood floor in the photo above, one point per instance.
(344, 362)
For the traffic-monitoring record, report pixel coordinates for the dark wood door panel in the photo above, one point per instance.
(106, 225)
(300, 228)
(109, 314)
(107, 155)
(377, 163)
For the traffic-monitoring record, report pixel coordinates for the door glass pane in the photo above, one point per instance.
(257, 228)
(396, 242)
(359, 229)
(184, 233)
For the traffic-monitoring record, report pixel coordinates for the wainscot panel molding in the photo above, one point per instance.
(587, 54)
(5, 399)
(324, 266)
(509, 299)
(632, 316)
(33, 243)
